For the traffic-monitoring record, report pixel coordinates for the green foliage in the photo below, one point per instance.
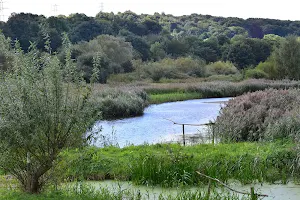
(252, 116)
(269, 68)
(171, 165)
(246, 52)
(174, 68)
(114, 55)
(255, 73)
(217, 89)
(245, 43)
(88, 30)
(175, 96)
(121, 102)
(287, 58)
(18, 24)
(45, 107)
(157, 51)
(6, 54)
(273, 40)
(221, 68)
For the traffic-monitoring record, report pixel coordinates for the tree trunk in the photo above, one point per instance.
(32, 184)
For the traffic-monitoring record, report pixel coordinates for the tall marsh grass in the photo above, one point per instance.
(263, 115)
(216, 89)
(176, 96)
(164, 92)
(171, 165)
(120, 102)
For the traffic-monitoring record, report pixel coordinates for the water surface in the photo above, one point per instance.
(289, 191)
(153, 126)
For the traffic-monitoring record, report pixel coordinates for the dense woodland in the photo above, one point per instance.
(122, 42)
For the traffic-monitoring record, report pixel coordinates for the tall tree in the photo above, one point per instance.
(23, 27)
(45, 108)
(287, 58)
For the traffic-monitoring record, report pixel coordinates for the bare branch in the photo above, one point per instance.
(226, 186)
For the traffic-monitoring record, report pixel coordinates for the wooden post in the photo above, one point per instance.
(253, 195)
(213, 134)
(183, 136)
(208, 190)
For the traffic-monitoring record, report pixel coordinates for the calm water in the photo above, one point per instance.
(153, 127)
(289, 191)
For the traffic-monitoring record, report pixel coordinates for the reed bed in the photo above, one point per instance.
(171, 165)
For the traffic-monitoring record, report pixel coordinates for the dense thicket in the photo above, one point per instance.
(245, 43)
(263, 115)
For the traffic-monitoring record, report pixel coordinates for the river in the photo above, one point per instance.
(154, 125)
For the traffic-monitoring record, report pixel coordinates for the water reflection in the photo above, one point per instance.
(153, 127)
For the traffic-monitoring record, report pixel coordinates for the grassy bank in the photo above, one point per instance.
(174, 165)
(174, 96)
(166, 92)
(120, 101)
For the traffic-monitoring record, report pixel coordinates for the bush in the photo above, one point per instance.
(174, 69)
(224, 68)
(120, 103)
(255, 73)
(268, 67)
(250, 117)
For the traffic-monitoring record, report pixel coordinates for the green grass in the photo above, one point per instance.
(174, 96)
(170, 165)
(216, 89)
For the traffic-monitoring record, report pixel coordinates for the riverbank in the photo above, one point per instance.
(168, 166)
(122, 101)
(169, 92)
(171, 165)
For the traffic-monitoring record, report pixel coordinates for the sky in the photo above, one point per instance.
(274, 9)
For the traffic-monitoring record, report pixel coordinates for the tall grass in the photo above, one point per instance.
(220, 88)
(173, 165)
(175, 96)
(263, 115)
(120, 102)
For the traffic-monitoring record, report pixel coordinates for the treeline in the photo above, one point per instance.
(114, 41)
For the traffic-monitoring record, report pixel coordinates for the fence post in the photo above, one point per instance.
(183, 136)
(213, 133)
(253, 195)
(208, 190)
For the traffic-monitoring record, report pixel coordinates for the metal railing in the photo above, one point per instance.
(185, 124)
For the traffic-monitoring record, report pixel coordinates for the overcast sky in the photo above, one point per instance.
(276, 9)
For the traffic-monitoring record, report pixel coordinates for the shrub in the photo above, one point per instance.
(174, 68)
(248, 117)
(224, 68)
(268, 67)
(120, 103)
(255, 73)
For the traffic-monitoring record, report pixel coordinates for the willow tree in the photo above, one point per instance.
(45, 107)
(287, 58)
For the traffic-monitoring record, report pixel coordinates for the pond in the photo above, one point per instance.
(289, 191)
(154, 126)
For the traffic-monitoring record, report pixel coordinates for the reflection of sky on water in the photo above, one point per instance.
(153, 127)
